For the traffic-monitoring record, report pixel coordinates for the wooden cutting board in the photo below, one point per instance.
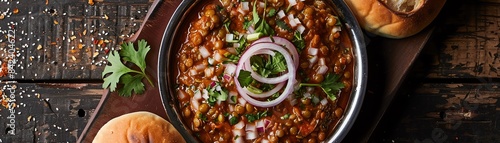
(389, 61)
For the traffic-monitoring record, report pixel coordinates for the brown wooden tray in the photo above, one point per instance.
(389, 61)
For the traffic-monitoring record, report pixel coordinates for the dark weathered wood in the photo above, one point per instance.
(468, 41)
(47, 112)
(66, 39)
(462, 112)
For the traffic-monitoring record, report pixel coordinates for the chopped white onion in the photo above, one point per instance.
(281, 14)
(193, 72)
(322, 69)
(250, 127)
(231, 108)
(292, 3)
(315, 100)
(309, 89)
(324, 101)
(230, 69)
(197, 95)
(182, 94)
(321, 61)
(199, 67)
(218, 57)
(301, 29)
(205, 94)
(242, 101)
(239, 125)
(251, 135)
(307, 95)
(231, 49)
(313, 60)
(262, 4)
(210, 61)
(296, 20)
(260, 126)
(312, 51)
(291, 20)
(195, 104)
(229, 37)
(336, 29)
(204, 52)
(244, 6)
(239, 134)
(209, 71)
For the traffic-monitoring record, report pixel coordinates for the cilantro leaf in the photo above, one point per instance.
(276, 64)
(330, 85)
(261, 24)
(257, 116)
(255, 14)
(272, 12)
(246, 24)
(244, 78)
(298, 41)
(116, 72)
(130, 83)
(138, 57)
(281, 24)
(233, 120)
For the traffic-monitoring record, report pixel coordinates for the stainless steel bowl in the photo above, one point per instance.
(168, 52)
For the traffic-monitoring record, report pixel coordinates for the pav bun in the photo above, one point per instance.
(395, 18)
(138, 127)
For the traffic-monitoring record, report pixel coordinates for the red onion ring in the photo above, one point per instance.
(273, 80)
(291, 70)
(282, 41)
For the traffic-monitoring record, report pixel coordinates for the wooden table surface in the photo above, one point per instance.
(450, 94)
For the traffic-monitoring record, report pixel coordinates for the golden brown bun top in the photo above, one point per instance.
(138, 127)
(395, 18)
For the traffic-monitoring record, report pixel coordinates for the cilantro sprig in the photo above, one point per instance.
(118, 73)
(214, 95)
(298, 41)
(331, 86)
(261, 25)
(256, 116)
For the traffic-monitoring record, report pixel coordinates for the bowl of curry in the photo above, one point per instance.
(262, 70)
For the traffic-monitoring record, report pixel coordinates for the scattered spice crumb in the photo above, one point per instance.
(39, 47)
(15, 11)
(2, 16)
(91, 2)
(29, 118)
(55, 22)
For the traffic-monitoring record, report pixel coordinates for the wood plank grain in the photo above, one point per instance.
(458, 112)
(65, 39)
(49, 112)
(468, 41)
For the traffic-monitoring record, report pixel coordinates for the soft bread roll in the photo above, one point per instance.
(395, 18)
(138, 127)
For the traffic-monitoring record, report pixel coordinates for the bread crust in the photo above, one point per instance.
(138, 127)
(375, 17)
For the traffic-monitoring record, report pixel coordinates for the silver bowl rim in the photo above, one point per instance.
(354, 102)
